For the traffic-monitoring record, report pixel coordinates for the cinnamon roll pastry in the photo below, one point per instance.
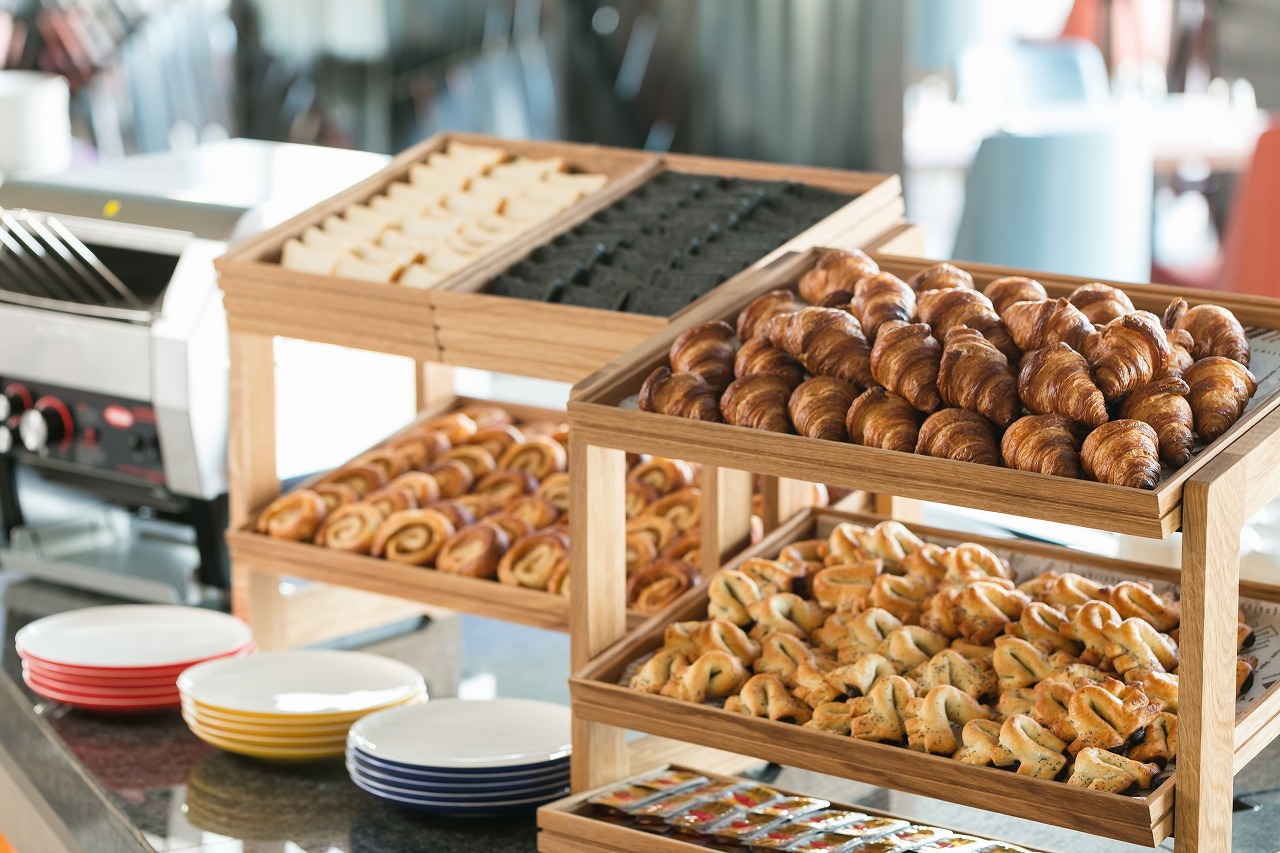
(1100, 770)
(533, 559)
(350, 528)
(770, 575)
(479, 506)
(986, 609)
(1219, 390)
(433, 440)
(537, 456)
(459, 514)
(759, 356)
(758, 401)
(681, 395)
(496, 439)
(881, 419)
(337, 494)
(503, 487)
(539, 513)
(683, 509)
(941, 277)
(478, 460)
(1037, 750)
(974, 677)
(555, 491)
(928, 561)
(980, 745)
(486, 415)
(756, 316)
(1020, 664)
(818, 408)
(1101, 303)
(637, 497)
(902, 595)
(640, 552)
(558, 583)
(944, 310)
(1162, 405)
(1130, 352)
(969, 562)
(866, 632)
(654, 673)
(360, 477)
(713, 675)
(846, 588)
(415, 451)
(424, 487)
(783, 655)
(296, 516)
(974, 375)
(513, 527)
(473, 551)
(766, 696)
(656, 528)
(905, 360)
(392, 464)
(455, 426)
(390, 499)
(1042, 444)
(658, 584)
(1135, 644)
(687, 546)
(785, 612)
(881, 714)
(731, 594)
(664, 476)
(910, 646)
(1214, 330)
(1012, 289)
(827, 341)
(1042, 625)
(934, 720)
(1136, 600)
(958, 434)
(413, 536)
(1055, 380)
(556, 430)
(837, 270)
(1107, 721)
(1052, 708)
(1043, 322)
(881, 298)
(453, 477)
(1122, 453)
(707, 350)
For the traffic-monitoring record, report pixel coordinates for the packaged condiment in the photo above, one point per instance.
(917, 836)
(955, 844)
(622, 799)
(1001, 847)
(701, 817)
(872, 827)
(752, 796)
(828, 819)
(671, 780)
(781, 837)
(661, 810)
(824, 842)
(745, 826)
(791, 807)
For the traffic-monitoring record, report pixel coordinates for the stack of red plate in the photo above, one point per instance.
(126, 657)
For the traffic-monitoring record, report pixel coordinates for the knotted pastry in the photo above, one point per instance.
(928, 560)
(654, 673)
(1122, 453)
(1135, 600)
(844, 544)
(766, 696)
(1162, 405)
(683, 509)
(1101, 303)
(805, 556)
(818, 408)
(910, 646)
(902, 595)
(474, 551)
(1159, 743)
(708, 350)
(1161, 688)
(1052, 708)
(538, 456)
(537, 512)
(533, 559)
(361, 477)
(654, 586)
(453, 477)
(1055, 380)
(837, 270)
(1214, 330)
(459, 514)
(756, 316)
(958, 434)
(424, 487)
(390, 499)
(1135, 644)
(1107, 721)
(757, 401)
(980, 745)
(969, 562)
(640, 552)
(1065, 590)
(1041, 323)
(713, 675)
(413, 536)
(944, 310)
(827, 341)
(974, 375)
(939, 613)
(846, 588)
(881, 714)
(934, 720)
(759, 356)
(392, 464)
(865, 633)
(890, 541)
(985, 608)
(856, 679)
(1043, 444)
(455, 426)
(940, 277)
(555, 491)
(339, 494)
(681, 395)
(296, 516)
(1016, 700)
(1012, 289)
(811, 686)
(785, 612)
(905, 360)
(1219, 389)
(1018, 663)
(1092, 625)
(657, 529)
(832, 632)
(1037, 750)
(1246, 668)
(881, 298)
(1130, 352)
(783, 654)
(974, 677)
(830, 717)
(878, 418)
(1099, 770)
(726, 637)
(414, 450)
(662, 475)
(1041, 625)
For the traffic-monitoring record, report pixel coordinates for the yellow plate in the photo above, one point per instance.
(271, 741)
(274, 753)
(303, 719)
(253, 727)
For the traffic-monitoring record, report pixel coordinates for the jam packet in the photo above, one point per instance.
(954, 844)
(827, 819)
(623, 799)
(670, 781)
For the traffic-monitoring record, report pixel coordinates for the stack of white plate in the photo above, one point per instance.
(451, 756)
(294, 705)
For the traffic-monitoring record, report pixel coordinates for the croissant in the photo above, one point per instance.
(1055, 380)
(1037, 750)
(1122, 453)
(1044, 444)
(295, 516)
(881, 714)
(878, 418)
(974, 375)
(880, 298)
(1130, 352)
(1036, 324)
(827, 341)
(766, 696)
(934, 719)
(1099, 770)
(941, 277)
(1219, 391)
(1009, 290)
(756, 316)
(944, 310)
(835, 270)
(980, 741)
(1101, 303)
(682, 395)
(1162, 405)
(757, 401)
(819, 406)
(905, 361)
(974, 677)
(759, 356)
(708, 350)
(713, 675)
(842, 299)
(959, 434)
(1214, 330)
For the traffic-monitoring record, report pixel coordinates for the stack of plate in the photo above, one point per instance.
(295, 705)
(124, 657)
(455, 757)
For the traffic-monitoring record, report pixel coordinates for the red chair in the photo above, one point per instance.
(1251, 256)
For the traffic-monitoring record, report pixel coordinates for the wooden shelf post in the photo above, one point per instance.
(726, 516)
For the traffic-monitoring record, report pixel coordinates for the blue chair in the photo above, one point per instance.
(1030, 76)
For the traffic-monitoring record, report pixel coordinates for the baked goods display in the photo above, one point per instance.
(455, 208)
(1080, 386)
(668, 242)
(875, 634)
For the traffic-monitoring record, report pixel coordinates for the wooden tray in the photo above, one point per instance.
(568, 826)
(261, 296)
(602, 413)
(597, 696)
(566, 342)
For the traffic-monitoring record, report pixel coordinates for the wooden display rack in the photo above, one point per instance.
(1210, 499)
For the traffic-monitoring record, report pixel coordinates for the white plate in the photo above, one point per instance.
(454, 733)
(132, 636)
(300, 683)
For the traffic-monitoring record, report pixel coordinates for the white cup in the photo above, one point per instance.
(35, 123)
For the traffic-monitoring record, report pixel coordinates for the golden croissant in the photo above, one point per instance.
(945, 310)
(878, 418)
(1214, 330)
(941, 277)
(827, 341)
(1101, 303)
(682, 395)
(758, 401)
(880, 298)
(1009, 290)
(756, 316)
(974, 375)
(905, 360)
(836, 270)
(1036, 324)
(1162, 405)
(707, 349)
(1123, 453)
(819, 406)
(759, 356)
(1130, 352)
(959, 434)
(1219, 389)
(1044, 444)
(1056, 380)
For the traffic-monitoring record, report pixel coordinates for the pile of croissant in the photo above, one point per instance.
(875, 634)
(475, 493)
(1081, 385)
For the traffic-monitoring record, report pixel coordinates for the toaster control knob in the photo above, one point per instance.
(14, 401)
(6, 439)
(47, 424)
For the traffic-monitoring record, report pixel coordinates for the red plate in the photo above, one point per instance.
(170, 670)
(164, 691)
(92, 704)
(86, 682)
